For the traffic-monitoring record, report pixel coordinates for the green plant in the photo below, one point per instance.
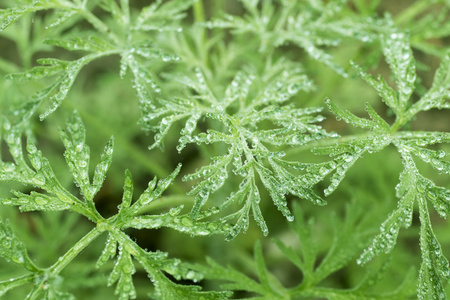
(230, 97)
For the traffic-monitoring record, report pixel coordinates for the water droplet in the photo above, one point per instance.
(165, 121)
(127, 269)
(6, 242)
(7, 126)
(187, 221)
(9, 167)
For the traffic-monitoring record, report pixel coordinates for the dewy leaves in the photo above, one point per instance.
(77, 157)
(248, 137)
(264, 285)
(310, 25)
(435, 268)
(347, 153)
(104, 41)
(58, 198)
(12, 249)
(233, 90)
(413, 187)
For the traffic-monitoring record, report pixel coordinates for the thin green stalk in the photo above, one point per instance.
(64, 260)
(411, 11)
(16, 282)
(327, 142)
(199, 17)
(199, 11)
(99, 25)
(76, 205)
(168, 202)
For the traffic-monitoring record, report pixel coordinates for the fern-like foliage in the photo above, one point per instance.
(231, 81)
(413, 187)
(306, 259)
(123, 39)
(50, 195)
(310, 25)
(262, 120)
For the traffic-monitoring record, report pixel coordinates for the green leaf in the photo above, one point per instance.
(277, 191)
(247, 149)
(154, 190)
(167, 290)
(90, 44)
(102, 167)
(35, 202)
(12, 249)
(77, 156)
(162, 15)
(237, 280)
(309, 284)
(77, 153)
(66, 81)
(183, 223)
(435, 267)
(352, 119)
(434, 158)
(122, 273)
(385, 241)
(399, 56)
(109, 252)
(50, 67)
(10, 15)
(387, 93)
(127, 192)
(270, 283)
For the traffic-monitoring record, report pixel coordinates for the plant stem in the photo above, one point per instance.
(99, 25)
(411, 12)
(168, 202)
(199, 16)
(327, 142)
(199, 11)
(64, 260)
(18, 281)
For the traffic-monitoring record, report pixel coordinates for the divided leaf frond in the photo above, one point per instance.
(435, 268)
(77, 156)
(103, 40)
(397, 50)
(166, 289)
(308, 25)
(385, 241)
(267, 286)
(413, 187)
(247, 138)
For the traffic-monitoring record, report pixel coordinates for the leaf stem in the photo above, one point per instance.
(327, 142)
(199, 11)
(99, 25)
(199, 16)
(64, 260)
(9, 284)
(167, 202)
(411, 12)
